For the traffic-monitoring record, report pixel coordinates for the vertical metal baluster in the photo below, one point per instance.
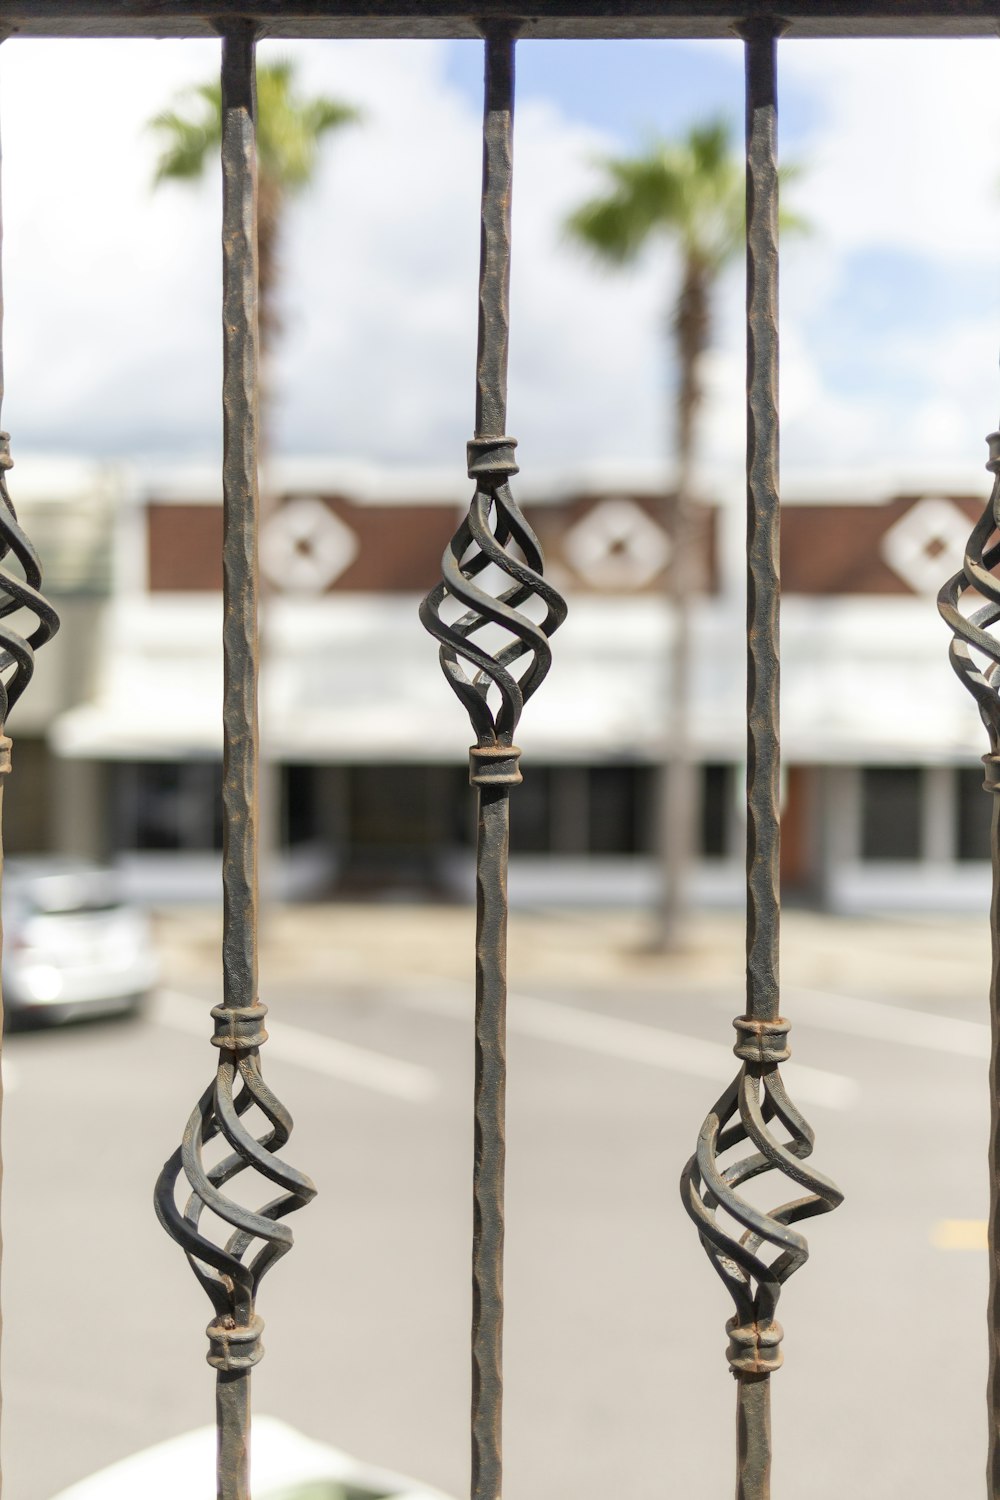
(5, 768)
(489, 1125)
(240, 642)
(758, 1095)
(972, 632)
(234, 1333)
(763, 531)
(493, 696)
(493, 778)
(16, 593)
(763, 790)
(241, 505)
(992, 784)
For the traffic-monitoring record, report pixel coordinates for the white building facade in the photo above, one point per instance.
(367, 747)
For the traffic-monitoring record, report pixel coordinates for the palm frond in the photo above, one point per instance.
(610, 227)
(691, 191)
(190, 133)
(289, 129)
(329, 114)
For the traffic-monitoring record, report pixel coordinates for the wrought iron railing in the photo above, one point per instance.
(494, 649)
(229, 1273)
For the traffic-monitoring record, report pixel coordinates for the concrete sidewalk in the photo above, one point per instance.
(919, 960)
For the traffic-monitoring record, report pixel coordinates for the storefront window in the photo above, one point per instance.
(716, 810)
(892, 812)
(169, 805)
(974, 811)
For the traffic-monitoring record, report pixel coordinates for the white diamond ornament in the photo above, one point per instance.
(927, 544)
(616, 545)
(305, 547)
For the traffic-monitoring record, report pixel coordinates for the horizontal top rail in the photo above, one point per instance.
(445, 18)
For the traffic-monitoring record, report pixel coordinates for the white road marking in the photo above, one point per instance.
(960, 1234)
(310, 1049)
(633, 1041)
(889, 1023)
(11, 1077)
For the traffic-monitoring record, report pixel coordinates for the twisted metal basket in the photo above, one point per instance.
(744, 1115)
(17, 650)
(971, 632)
(495, 533)
(228, 1273)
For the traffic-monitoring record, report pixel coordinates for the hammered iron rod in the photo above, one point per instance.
(993, 1305)
(493, 828)
(240, 773)
(481, 673)
(763, 790)
(975, 655)
(228, 1273)
(757, 1096)
(17, 592)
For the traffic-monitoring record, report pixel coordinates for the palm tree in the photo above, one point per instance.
(290, 129)
(690, 194)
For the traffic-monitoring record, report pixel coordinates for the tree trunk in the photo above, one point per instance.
(678, 799)
(270, 207)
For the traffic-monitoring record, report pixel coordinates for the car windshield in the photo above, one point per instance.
(72, 895)
(326, 1489)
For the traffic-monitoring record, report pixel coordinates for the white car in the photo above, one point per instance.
(286, 1465)
(73, 946)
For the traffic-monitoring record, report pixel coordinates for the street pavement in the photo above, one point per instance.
(615, 1346)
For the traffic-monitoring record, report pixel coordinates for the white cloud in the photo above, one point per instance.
(383, 285)
(103, 279)
(112, 290)
(112, 333)
(907, 155)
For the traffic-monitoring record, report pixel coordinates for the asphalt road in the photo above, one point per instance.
(616, 1376)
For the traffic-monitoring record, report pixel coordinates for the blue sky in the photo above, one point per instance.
(631, 89)
(890, 308)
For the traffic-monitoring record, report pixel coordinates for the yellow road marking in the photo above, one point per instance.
(959, 1234)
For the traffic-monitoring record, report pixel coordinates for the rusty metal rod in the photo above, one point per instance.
(493, 681)
(494, 814)
(5, 765)
(240, 509)
(763, 528)
(763, 639)
(974, 653)
(231, 1272)
(993, 1314)
(18, 590)
(490, 1141)
(240, 636)
(232, 1419)
(753, 1436)
(495, 242)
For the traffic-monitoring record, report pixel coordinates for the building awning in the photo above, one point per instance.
(349, 678)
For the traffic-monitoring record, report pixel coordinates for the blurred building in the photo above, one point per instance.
(70, 510)
(366, 747)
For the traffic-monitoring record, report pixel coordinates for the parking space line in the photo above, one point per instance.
(631, 1041)
(959, 1234)
(323, 1054)
(889, 1023)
